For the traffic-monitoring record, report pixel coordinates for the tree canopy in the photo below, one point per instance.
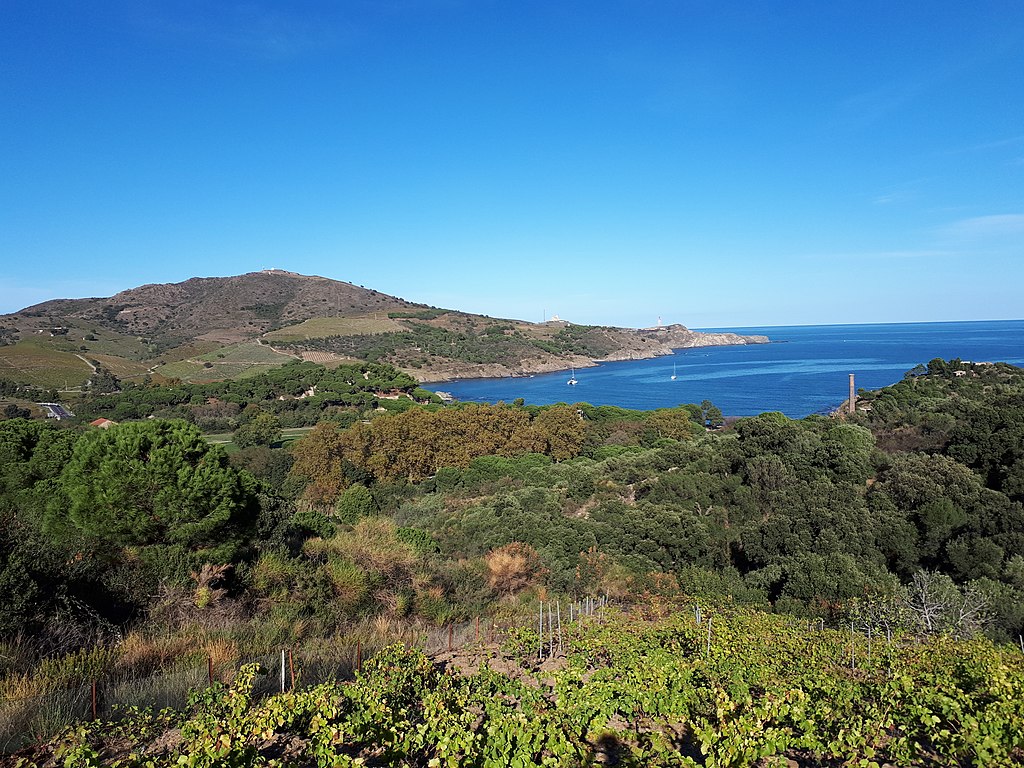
(154, 483)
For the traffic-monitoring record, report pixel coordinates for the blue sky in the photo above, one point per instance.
(711, 163)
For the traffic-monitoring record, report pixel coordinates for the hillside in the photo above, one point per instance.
(214, 328)
(392, 521)
(219, 309)
(624, 689)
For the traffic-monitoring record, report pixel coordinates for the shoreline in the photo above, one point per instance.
(559, 366)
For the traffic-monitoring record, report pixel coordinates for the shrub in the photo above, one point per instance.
(350, 584)
(354, 503)
(513, 567)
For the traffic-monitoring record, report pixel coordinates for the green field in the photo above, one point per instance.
(246, 352)
(225, 438)
(123, 369)
(194, 373)
(190, 350)
(38, 363)
(102, 341)
(322, 327)
(235, 362)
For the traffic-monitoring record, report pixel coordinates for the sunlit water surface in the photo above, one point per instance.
(804, 371)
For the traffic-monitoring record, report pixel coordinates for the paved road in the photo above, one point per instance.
(56, 410)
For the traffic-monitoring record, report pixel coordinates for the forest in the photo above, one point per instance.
(911, 512)
(296, 394)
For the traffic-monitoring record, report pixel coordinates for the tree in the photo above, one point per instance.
(20, 590)
(103, 381)
(320, 459)
(14, 411)
(264, 429)
(846, 451)
(938, 605)
(917, 370)
(712, 414)
(562, 429)
(355, 502)
(673, 423)
(154, 483)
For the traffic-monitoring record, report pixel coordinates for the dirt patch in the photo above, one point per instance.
(467, 661)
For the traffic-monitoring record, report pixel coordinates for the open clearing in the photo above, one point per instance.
(237, 361)
(322, 327)
(41, 365)
(123, 369)
(195, 373)
(246, 352)
(225, 438)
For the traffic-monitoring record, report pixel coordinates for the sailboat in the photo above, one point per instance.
(673, 372)
(572, 377)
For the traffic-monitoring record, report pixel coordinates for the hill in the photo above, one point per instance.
(213, 328)
(225, 310)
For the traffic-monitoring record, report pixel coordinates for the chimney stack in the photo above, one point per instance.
(853, 397)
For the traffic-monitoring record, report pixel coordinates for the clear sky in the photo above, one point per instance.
(712, 163)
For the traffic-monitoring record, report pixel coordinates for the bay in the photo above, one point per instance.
(803, 371)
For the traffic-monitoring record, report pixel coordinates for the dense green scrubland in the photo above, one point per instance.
(905, 518)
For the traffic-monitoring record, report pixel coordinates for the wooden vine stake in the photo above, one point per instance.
(853, 660)
(540, 633)
(551, 634)
(558, 612)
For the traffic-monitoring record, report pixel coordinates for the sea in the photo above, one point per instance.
(804, 370)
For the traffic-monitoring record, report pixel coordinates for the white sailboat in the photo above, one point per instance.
(572, 377)
(673, 377)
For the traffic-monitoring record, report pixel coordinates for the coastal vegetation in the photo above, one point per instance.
(142, 543)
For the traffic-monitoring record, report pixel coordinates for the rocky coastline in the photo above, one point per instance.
(650, 343)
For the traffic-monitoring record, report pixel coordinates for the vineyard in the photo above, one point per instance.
(655, 687)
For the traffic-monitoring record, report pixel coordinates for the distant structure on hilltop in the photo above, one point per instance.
(660, 326)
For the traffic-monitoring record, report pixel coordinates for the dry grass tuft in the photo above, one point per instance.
(513, 567)
(145, 654)
(223, 651)
(349, 581)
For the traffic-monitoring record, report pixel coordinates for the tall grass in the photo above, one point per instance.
(161, 671)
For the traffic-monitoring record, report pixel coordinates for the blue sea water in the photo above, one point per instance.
(804, 370)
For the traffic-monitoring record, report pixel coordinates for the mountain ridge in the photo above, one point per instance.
(206, 328)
